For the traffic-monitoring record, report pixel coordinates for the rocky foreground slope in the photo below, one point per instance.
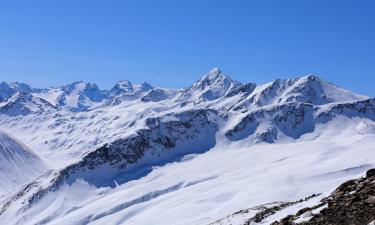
(353, 203)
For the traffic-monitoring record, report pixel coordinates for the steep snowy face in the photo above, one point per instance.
(124, 91)
(143, 87)
(121, 87)
(211, 86)
(18, 164)
(166, 139)
(24, 87)
(317, 91)
(80, 96)
(6, 91)
(156, 95)
(243, 90)
(308, 89)
(272, 123)
(22, 103)
(292, 120)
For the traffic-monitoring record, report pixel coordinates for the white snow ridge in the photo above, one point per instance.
(138, 154)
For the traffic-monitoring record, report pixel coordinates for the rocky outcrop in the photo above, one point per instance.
(352, 203)
(363, 109)
(295, 119)
(259, 213)
(292, 120)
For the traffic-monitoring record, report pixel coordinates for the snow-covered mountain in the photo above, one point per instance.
(136, 154)
(80, 96)
(23, 103)
(7, 90)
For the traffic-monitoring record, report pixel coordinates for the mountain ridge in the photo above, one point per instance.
(82, 96)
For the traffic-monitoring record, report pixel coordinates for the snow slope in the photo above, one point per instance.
(18, 164)
(200, 189)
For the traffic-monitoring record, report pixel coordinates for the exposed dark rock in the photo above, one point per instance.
(261, 215)
(293, 120)
(352, 203)
(370, 173)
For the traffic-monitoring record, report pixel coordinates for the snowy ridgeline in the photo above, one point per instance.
(21, 99)
(191, 156)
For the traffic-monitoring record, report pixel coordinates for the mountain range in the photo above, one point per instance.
(138, 154)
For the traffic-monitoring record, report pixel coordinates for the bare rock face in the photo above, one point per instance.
(352, 203)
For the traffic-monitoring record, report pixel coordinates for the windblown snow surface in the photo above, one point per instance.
(192, 156)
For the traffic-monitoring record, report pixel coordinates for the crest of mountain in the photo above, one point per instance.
(143, 87)
(308, 89)
(80, 96)
(124, 91)
(7, 90)
(24, 87)
(18, 164)
(121, 87)
(157, 95)
(211, 86)
(23, 103)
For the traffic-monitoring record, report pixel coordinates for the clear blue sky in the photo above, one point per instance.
(173, 42)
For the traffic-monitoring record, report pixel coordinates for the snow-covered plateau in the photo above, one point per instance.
(217, 152)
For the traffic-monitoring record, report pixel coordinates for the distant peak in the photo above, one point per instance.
(124, 82)
(212, 75)
(146, 84)
(77, 82)
(143, 87)
(122, 86)
(211, 86)
(311, 77)
(4, 85)
(215, 71)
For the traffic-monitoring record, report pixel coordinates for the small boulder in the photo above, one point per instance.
(370, 173)
(370, 200)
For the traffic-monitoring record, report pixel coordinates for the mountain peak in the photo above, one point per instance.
(214, 71)
(215, 78)
(311, 77)
(211, 86)
(123, 86)
(143, 87)
(214, 74)
(22, 86)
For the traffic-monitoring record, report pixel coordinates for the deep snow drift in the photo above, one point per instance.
(137, 154)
